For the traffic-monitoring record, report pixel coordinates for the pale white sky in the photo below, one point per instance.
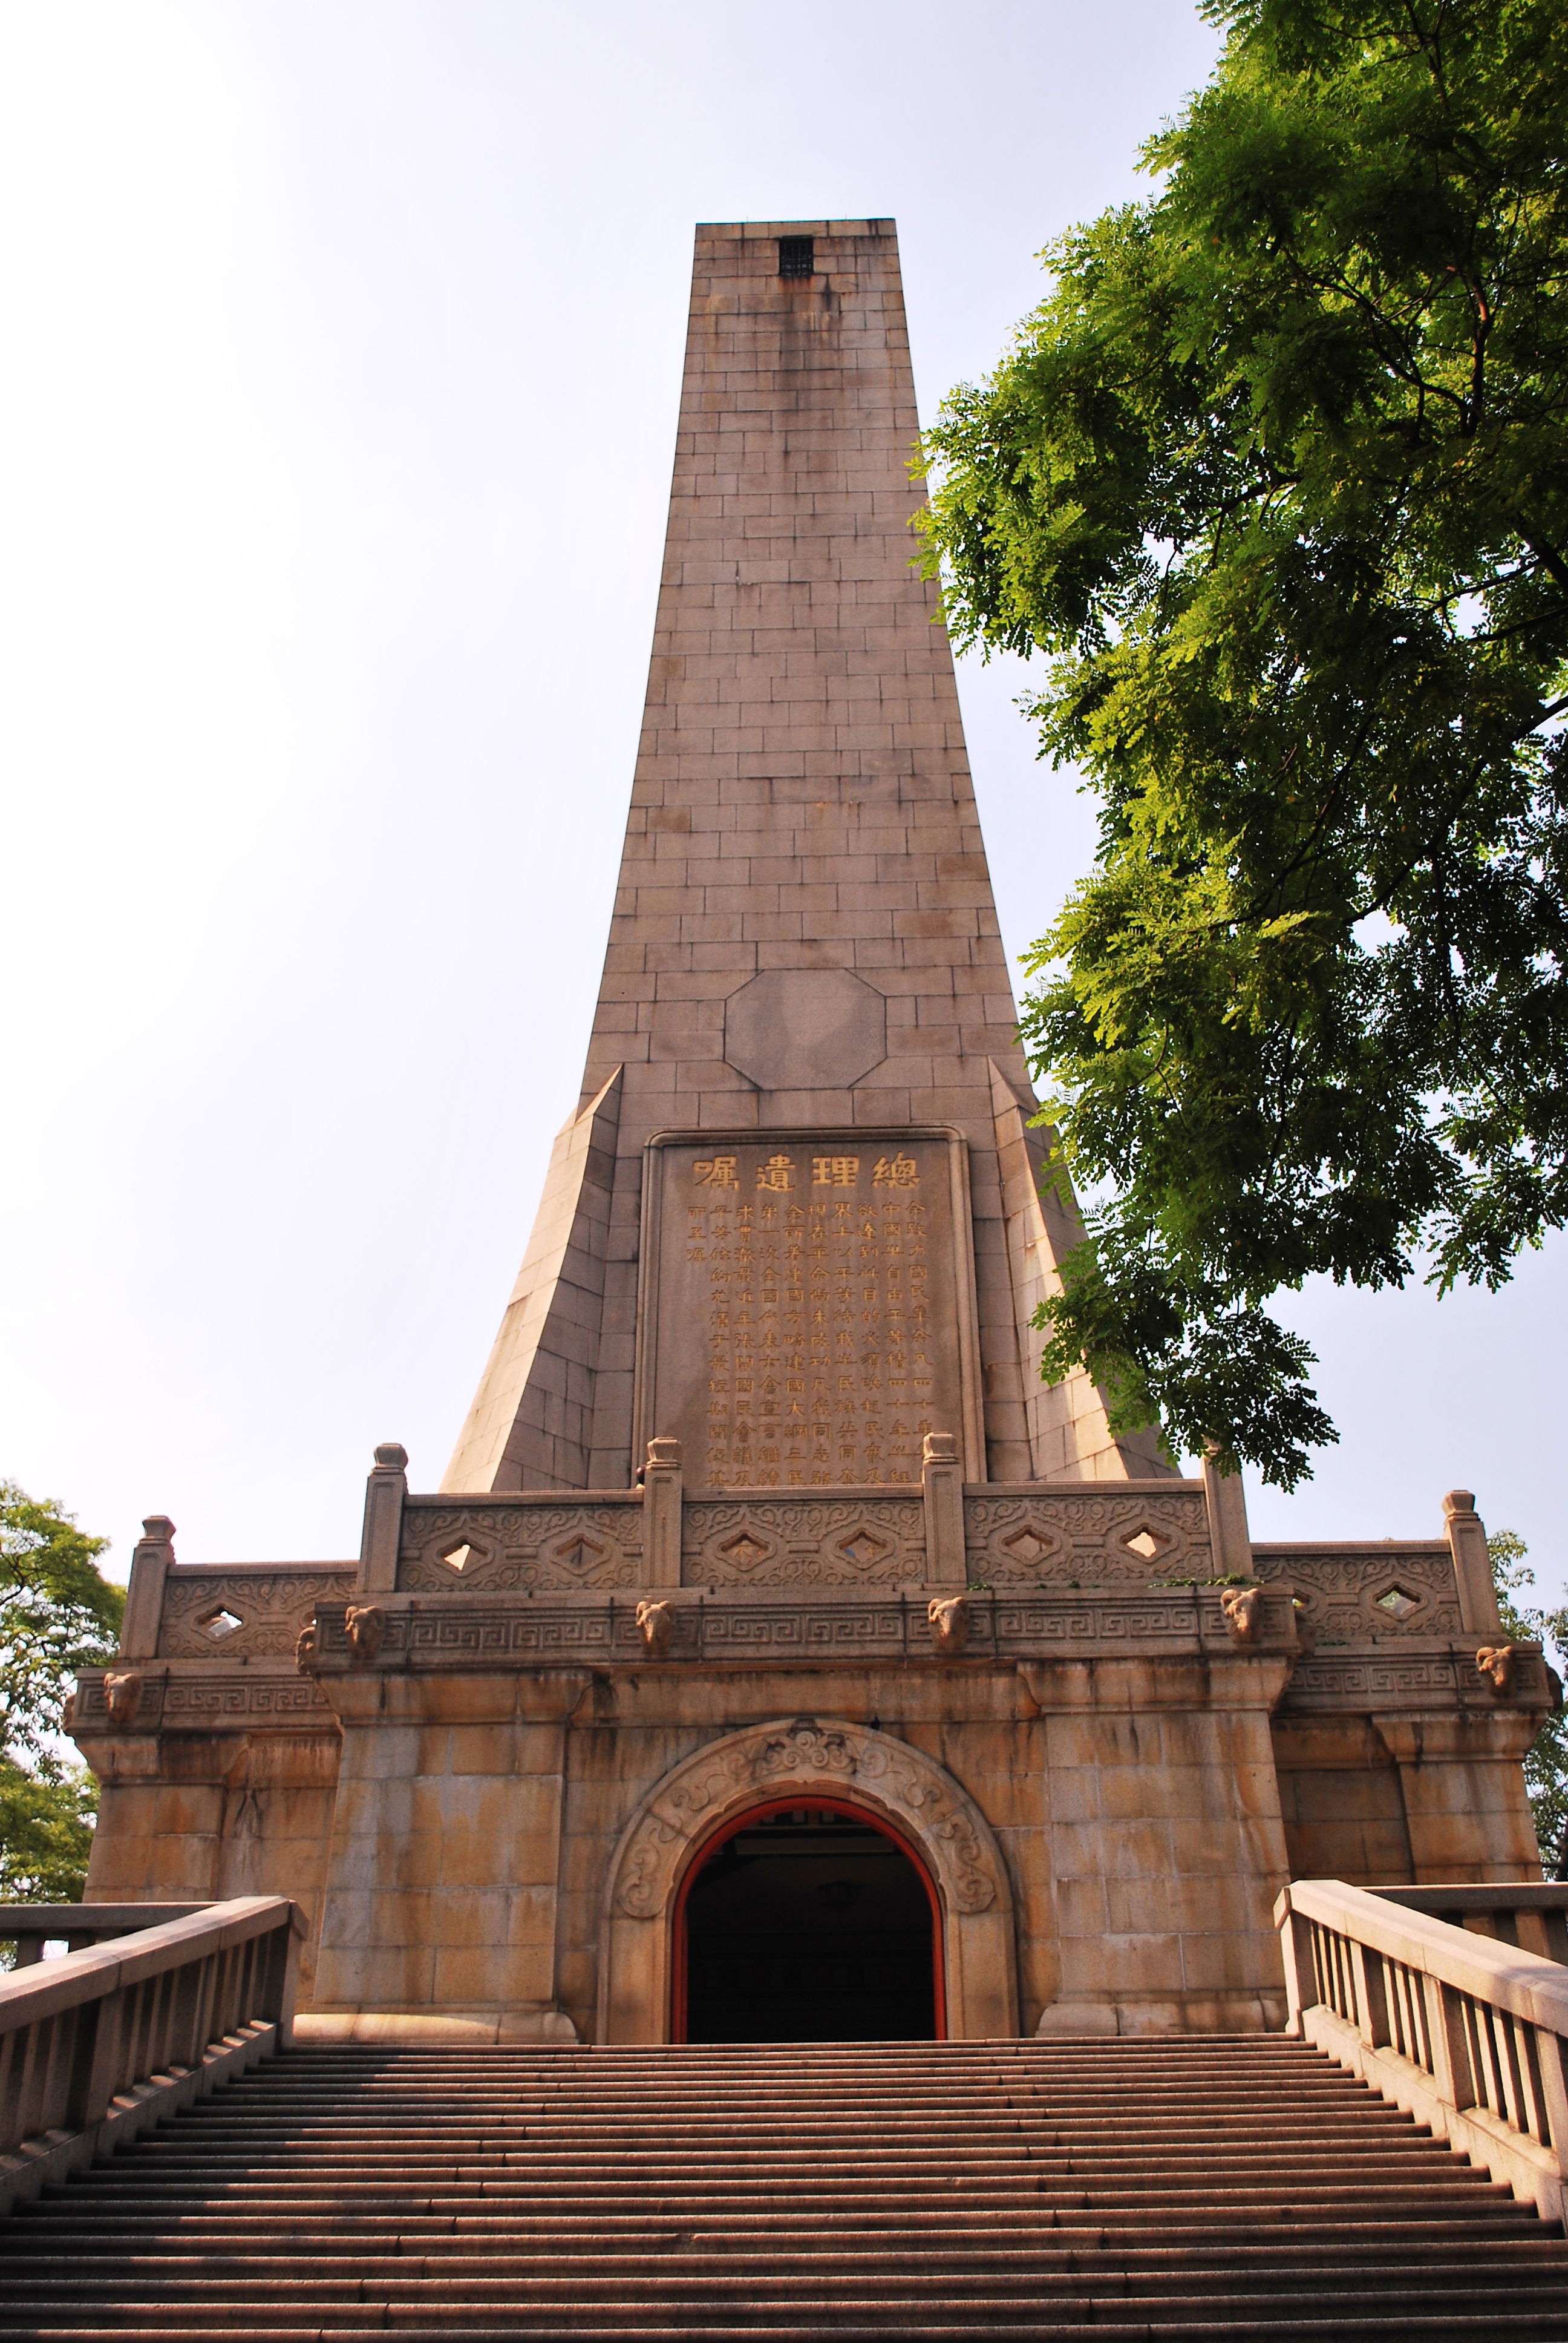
(343, 343)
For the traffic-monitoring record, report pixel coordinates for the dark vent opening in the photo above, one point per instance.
(797, 256)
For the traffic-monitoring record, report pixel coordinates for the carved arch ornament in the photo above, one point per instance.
(892, 1781)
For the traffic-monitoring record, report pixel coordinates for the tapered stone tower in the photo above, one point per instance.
(804, 970)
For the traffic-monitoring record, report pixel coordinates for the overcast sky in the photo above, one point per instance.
(345, 341)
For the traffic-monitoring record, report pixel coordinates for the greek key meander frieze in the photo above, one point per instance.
(176, 1703)
(753, 1541)
(575, 1544)
(1094, 1539)
(269, 1608)
(1339, 1593)
(822, 1629)
(769, 1758)
(1446, 1679)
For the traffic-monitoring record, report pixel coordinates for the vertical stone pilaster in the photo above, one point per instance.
(1229, 1536)
(1472, 1563)
(942, 1481)
(150, 1566)
(385, 1490)
(661, 1504)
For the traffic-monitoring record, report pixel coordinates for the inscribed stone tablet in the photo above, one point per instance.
(811, 1308)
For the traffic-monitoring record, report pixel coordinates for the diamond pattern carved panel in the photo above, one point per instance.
(1098, 1538)
(268, 1607)
(791, 1541)
(574, 1543)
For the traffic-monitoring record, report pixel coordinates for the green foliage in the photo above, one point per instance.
(1277, 479)
(1546, 1762)
(57, 1613)
(45, 1834)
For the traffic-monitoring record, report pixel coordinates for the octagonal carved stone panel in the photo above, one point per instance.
(805, 1028)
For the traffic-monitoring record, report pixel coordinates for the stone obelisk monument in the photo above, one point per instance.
(806, 1027)
(763, 1521)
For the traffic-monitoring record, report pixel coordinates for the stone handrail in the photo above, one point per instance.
(97, 2044)
(1533, 1913)
(31, 1927)
(1464, 2032)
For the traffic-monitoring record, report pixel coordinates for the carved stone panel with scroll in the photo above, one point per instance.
(494, 1548)
(807, 1308)
(851, 1541)
(1394, 1592)
(1054, 1537)
(247, 1612)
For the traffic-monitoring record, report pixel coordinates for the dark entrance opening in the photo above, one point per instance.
(807, 1923)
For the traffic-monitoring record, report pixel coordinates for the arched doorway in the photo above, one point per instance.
(807, 1920)
(802, 1761)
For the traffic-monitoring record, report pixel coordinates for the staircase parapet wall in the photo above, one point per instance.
(1466, 2034)
(98, 2046)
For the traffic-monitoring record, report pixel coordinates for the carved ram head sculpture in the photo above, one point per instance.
(950, 1618)
(656, 1625)
(1243, 1610)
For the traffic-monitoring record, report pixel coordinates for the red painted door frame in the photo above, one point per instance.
(815, 1804)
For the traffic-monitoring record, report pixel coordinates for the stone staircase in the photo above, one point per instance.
(1234, 2185)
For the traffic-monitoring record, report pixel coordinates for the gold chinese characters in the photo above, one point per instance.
(817, 1279)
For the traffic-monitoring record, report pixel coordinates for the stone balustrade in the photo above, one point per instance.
(1463, 2031)
(1035, 1536)
(96, 2045)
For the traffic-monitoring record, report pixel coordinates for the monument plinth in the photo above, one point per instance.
(779, 1651)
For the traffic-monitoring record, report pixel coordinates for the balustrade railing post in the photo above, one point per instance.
(95, 2066)
(283, 1983)
(1446, 2037)
(1553, 2094)
(207, 1987)
(185, 2013)
(1371, 1995)
(1296, 1949)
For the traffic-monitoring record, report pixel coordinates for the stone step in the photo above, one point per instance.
(589, 2277)
(1239, 2187)
(35, 2278)
(1410, 2232)
(1472, 2314)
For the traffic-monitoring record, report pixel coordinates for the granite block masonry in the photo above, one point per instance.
(761, 1507)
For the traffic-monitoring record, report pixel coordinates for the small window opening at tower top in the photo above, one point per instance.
(796, 255)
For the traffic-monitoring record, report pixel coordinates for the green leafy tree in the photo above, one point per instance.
(1276, 479)
(1546, 1763)
(45, 1834)
(57, 1613)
